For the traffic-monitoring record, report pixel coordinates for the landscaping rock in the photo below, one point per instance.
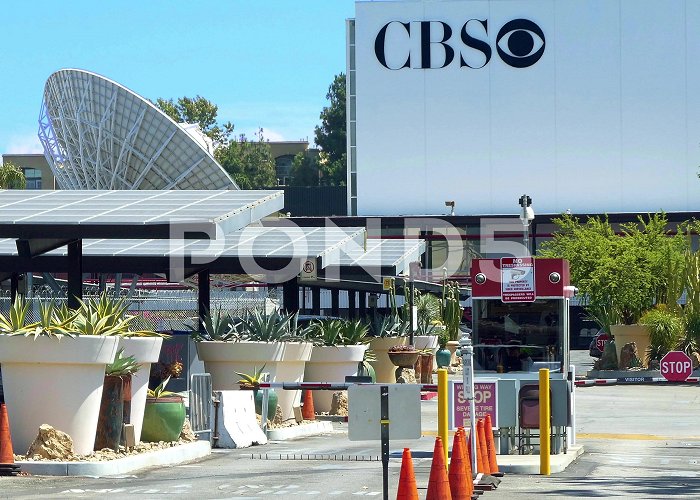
(406, 376)
(608, 360)
(695, 358)
(186, 434)
(51, 444)
(339, 404)
(629, 357)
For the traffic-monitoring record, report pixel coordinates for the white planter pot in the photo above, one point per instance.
(55, 382)
(421, 342)
(146, 350)
(331, 364)
(383, 367)
(284, 361)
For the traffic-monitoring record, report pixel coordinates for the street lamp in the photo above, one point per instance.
(526, 215)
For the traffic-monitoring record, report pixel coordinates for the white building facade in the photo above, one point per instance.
(586, 105)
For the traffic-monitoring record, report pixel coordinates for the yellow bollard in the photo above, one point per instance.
(442, 409)
(545, 430)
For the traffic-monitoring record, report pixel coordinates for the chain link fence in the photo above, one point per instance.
(162, 309)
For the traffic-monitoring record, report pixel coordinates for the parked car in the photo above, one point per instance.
(593, 348)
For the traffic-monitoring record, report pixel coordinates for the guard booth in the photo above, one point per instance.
(520, 322)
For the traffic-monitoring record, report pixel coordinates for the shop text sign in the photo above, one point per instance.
(484, 403)
(517, 279)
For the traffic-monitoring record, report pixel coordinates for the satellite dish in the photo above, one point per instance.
(98, 134)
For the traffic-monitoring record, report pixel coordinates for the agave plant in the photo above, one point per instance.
(160, 392)
(102, 316)
(217, 326)
(253, 380)
(355, 332)
(54, 321)
(327, 332)
(122, 365)
(15, 323)
(273, 327)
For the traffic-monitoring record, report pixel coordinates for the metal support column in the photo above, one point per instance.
(75, 273)
(290, 296)
(203, 296)
(363, 304)
(14, 287)
(335, 302)
(316, 301)
(352, 312)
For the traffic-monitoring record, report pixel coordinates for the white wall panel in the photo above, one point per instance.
(607, 120)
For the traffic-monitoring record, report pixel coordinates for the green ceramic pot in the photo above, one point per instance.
(271, 403)
(442, 358)
(163, 419)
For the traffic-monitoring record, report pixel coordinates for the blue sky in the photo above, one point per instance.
(265, 63)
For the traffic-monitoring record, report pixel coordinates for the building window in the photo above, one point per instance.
(33, 176)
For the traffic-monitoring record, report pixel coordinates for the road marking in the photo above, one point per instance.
(635, 437)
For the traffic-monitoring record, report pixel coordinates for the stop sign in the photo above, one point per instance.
(676, 366)
(600, 341)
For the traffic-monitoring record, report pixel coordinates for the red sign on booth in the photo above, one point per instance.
(517, 279)
(485, 403)
(676, 366)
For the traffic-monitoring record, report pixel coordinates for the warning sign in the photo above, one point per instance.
(517, 279)
(485, 402)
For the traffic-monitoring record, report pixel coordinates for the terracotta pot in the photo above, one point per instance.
(111, 420)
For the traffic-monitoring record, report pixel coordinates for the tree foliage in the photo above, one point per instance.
(305, 170)
(248, 162)
(12, 177)
(200, 111)
(620, 275)
(331, 135)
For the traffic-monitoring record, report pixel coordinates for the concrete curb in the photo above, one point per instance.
(296, 431)
(517, 464)
(168, 456)
(530, 464)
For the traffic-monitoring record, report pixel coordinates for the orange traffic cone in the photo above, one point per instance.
(491, 446)
(438, 483)
(468, 443)
(307, 410)
(7, 455)
(407, 478)
(461, 485)
(481, 448)
(479, 461)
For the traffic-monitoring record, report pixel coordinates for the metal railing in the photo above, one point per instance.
(201, 404)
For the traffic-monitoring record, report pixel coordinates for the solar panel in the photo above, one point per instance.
(98, 134)
(382, 253)
(129, 214)
(256, 242)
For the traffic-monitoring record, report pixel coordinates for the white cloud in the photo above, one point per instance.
(23, 144)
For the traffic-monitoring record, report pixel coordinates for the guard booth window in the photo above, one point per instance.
(517, 337)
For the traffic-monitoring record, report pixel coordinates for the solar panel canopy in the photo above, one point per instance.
(252, 241)
(130, 214)
(97, 134)
(379, 255)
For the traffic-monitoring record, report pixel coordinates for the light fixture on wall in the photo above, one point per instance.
(451, 205)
